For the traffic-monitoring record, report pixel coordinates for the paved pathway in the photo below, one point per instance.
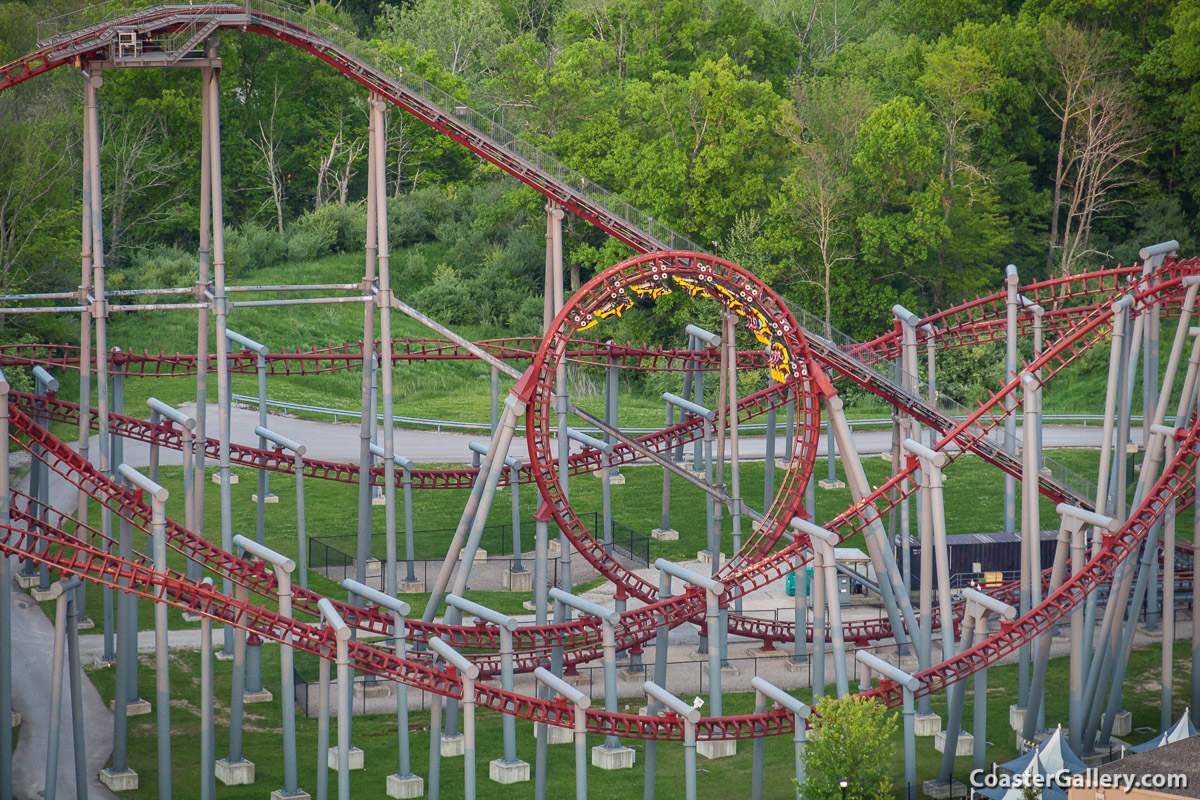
(31, 695)
(339, 441)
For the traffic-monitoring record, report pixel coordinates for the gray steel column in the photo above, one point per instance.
(891, 586)
(554, 264)
(666, 492)
(611, 407)
(85, 402)
(283, 568)
(323, 729)
(1012, 304)
(713, 590)
(98, 312)
(59, 590)
(6, 742)
(342, 634)
(909, 684)
(203, 274)
(817, 674)
(162, 676)
(608, 620)
(800, 712)
(690, 717)
(468, 672)
(362, 552)
(823, 543)
(220, 305)
(735, 479)
(1167, 679)
(45, 386)
(495, 399)
(1031, 528)
(514, 485)
(661, 648)
(800, 609)
(435, 746)
(239, 686)
(541, 565)
(582, 703)
(605, 450)
(507, 625)
(208, 762)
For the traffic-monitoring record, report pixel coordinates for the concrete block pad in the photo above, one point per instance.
(705, 557)
(355, 757)
(927, 724)
(1016, 717)
(796, 666)
(579, 679)
(40, 596)
(781, 464)
(825, 483)
(236, 773)
(503, 772)
(268, 500)
(123, 781)
(555, 734)
(16, 719)
(280, 794)
(374, 567)
(777, 652)
(233, 480)
(85, 624)
(941, 791)
(615, 758)
(28, 581)
(1122, 724)
(665, 534)
(453, 746)
(135, 708)
(717, 748)
(966, 743)
(410, 587)
(616, 480)
(517, 581)
(377, 501)
(191, 616)
(405, 787)
(261, 696)
(554, 548)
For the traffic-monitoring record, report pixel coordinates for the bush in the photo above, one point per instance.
(307, 243)
(329, 229)
(159, 267)
(407, 222)
(850, 741)
(253, 247)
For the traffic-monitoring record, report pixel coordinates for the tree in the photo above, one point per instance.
(850, 741)
(822, 124)
(463, 33)
(1100, 134)
(268, 145)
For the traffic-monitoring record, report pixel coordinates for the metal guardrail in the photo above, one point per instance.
(439, 424)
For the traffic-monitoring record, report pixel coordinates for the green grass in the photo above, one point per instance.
(375, 734)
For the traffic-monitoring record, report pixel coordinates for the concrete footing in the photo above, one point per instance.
(717, 748)
(1123, 724)
(665, 534)
(233, 478)
(614, 480)
(374, 567)
(613, 758)
(966, 743)
(1016, 717)
(235, 773)
(28, 581)
(480, 555)
(191, 616)
(16, 719)
(555, 734)
(517, 581)
(941, 790)
(135, 708)
(825, 483)
(355, 757)
(124, 781)
(280, 794)
(705, 557)
(268, 500)
(40, 596)
(792, 665)
(261, 696)
(927, 724)
(405, 787)
(776, 652)
(453, 746)
(729, 671)
(410, 587)
(579, 679)
(506, 772)
(781, 464)
(554, 548)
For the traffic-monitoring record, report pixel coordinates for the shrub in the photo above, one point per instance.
(253, 247)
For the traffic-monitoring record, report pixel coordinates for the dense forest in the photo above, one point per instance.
(854, 153)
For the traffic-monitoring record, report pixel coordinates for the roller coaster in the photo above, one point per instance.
(806, 360)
